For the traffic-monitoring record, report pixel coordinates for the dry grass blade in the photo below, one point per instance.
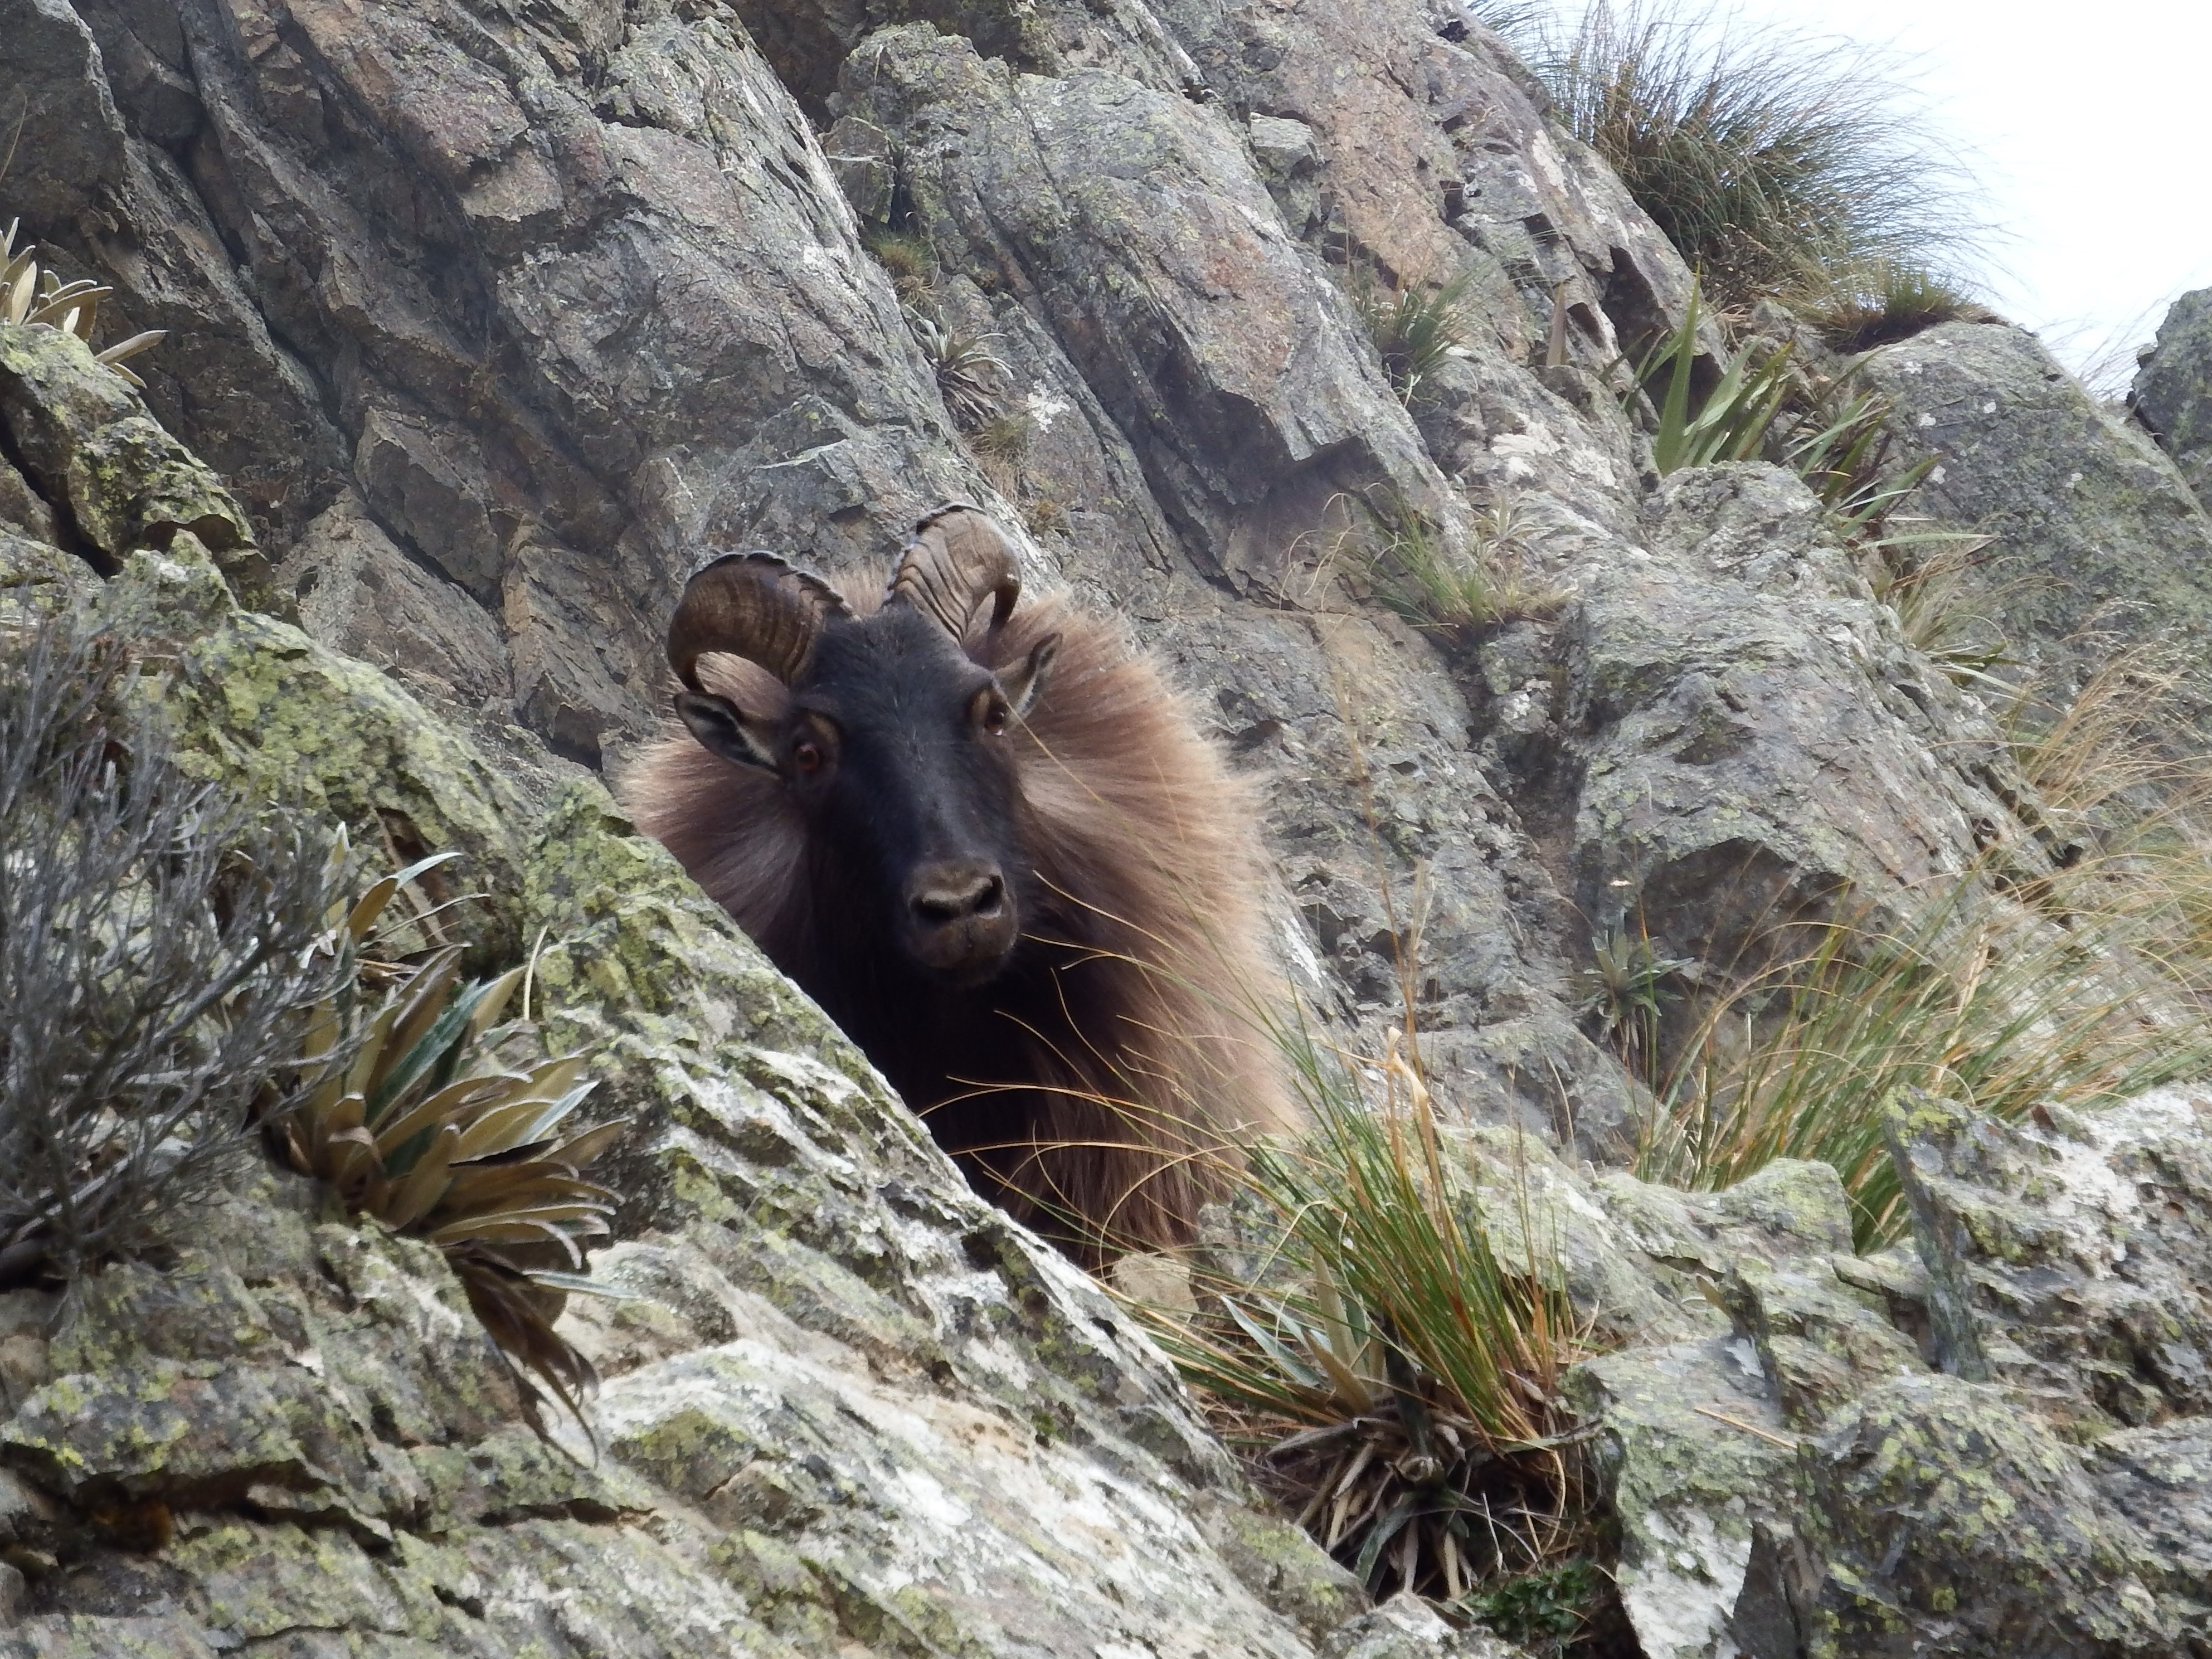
(1967, 995)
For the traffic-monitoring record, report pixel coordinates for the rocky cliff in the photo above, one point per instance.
(485, 320)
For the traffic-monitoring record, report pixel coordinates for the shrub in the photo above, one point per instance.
(1413, 329)
(28, 295)
(911, 261)
(430, 1116)
(158, 952)
(1766, 157)
(1544, 1611)
(1393, 1373)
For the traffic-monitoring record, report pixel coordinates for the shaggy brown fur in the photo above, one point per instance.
(1126, 1052)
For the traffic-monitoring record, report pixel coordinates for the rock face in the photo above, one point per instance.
(487, 322)
(2172, 393)
(494, 326)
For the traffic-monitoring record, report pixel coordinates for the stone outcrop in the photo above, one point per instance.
(850, 1409)
(2173, 391)
(2097, 539)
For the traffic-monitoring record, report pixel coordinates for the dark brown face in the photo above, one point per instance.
(896, 747)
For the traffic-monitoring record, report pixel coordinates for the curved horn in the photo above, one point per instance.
(753, 605)
(955, 556)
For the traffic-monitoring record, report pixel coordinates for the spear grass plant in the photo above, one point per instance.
(1764, 405)
(29, 295)
(970, 376)
(1729, 421)
(1624, 993)
(435, 1118)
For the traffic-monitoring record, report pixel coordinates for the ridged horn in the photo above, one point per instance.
(753, 605)
(955, 556)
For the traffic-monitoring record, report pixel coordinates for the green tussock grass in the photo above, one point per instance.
(1389, 1360)
(1414, 329)
(1854, 309)
(1461, 594)
(2006, 991)
(1765, 156)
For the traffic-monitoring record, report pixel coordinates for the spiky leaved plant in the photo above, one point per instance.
(969, 374)
(418, 1117)
(1625, 992)
(30, 295)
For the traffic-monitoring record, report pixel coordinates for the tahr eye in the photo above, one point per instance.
(996, 715)
(805, 756)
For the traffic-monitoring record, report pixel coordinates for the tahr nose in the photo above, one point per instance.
(942, 894)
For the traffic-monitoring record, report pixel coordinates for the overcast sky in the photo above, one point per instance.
(2090, 129)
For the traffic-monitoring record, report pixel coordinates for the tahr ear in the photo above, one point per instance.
(1020, 686)
(725, 730)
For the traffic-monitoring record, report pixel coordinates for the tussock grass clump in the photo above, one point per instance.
(1004, 438)
(1927, 577)
(1966, 996)
(158, 953)
(1414, 329)
(910, 262)
(2074, 989)
(1391, 1368)
(1856, 309)
(1492, 583)
(1767, 157)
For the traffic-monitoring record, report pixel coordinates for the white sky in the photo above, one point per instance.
(2089, 128)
